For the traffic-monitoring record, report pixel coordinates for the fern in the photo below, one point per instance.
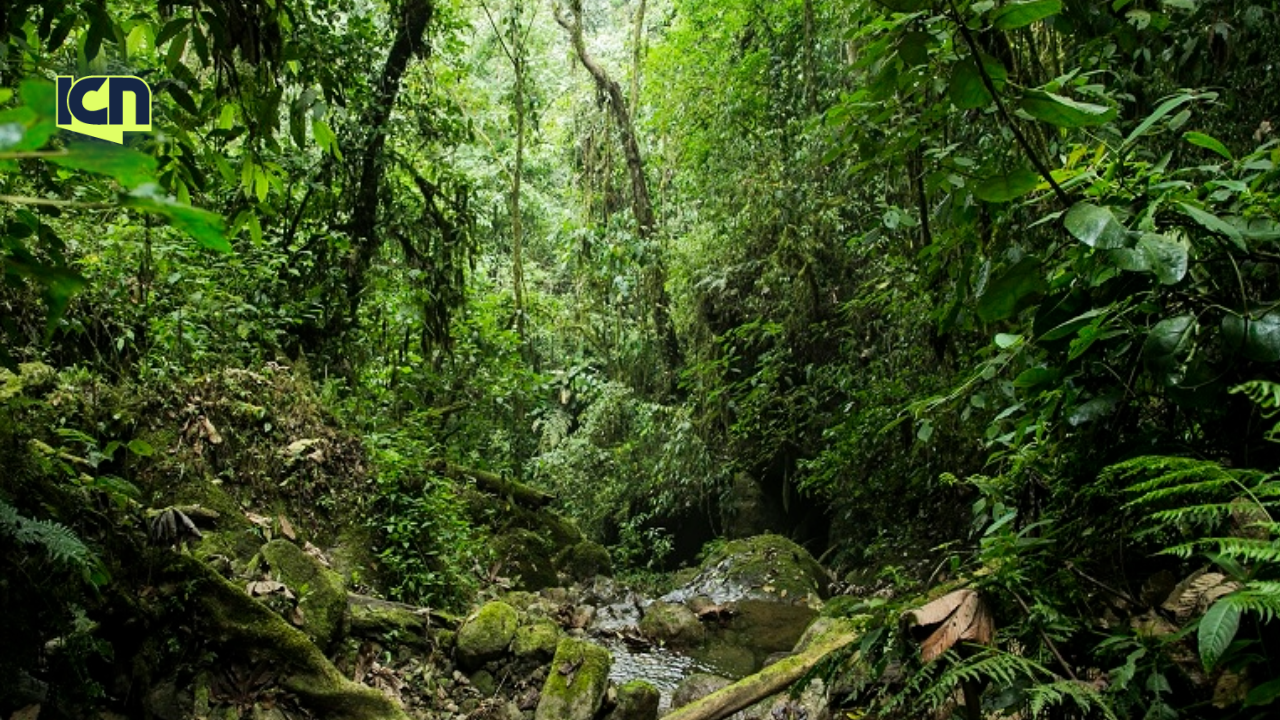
(1087, 698)
(58, 540)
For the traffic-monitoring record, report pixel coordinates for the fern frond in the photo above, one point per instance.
(1260, 598)
(1001, 668)
(58, 540)
(1086, 698)
(1264, 394)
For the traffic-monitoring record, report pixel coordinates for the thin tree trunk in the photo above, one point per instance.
(637, 54)
(411, 26)
(641, 203)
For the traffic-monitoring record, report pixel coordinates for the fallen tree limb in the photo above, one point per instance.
(754, 688)
(493, 484)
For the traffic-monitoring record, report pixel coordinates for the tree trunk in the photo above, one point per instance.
(411, 26)
(641, 204)
(753, 688)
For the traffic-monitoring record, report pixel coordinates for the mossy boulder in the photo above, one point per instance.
(637, 700)
(576, 683)
(767, 567)
(485, 634)
(584, 561)
(322, 599)
(671, 624)
(526, 558)
(537, 640)
(388, 621)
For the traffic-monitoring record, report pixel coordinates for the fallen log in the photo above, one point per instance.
(753, 688)
(493, 483)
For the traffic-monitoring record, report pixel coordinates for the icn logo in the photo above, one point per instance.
(104, 106)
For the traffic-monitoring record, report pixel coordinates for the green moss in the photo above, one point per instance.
(486, 634)
(243, 627)
(537, 640)
(770, 561)
(579, 693)
(585, 560)
(526, 558)
(353, 558)
(637, 700)
(386, 621)
(322, 597)
(237, 546)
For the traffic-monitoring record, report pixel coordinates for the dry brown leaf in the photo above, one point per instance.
(30, 712)
(286, 529)
(297, 618)
(1195, 594)
(210, 431)
(316, 553)
(960, 615)
(260, 520)
(259, 588)
(940, 609)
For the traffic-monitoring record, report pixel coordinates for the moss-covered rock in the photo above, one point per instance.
(584, 561)
(321, 597)
(576, 682)
(353, 558)
(526, 558)
(671, 624)
(241, 628)
(486, 634)
(771, 565)
(388, 621)
(637, 700)
(537, 640)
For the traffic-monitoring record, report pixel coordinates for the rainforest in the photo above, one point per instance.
(639, 359)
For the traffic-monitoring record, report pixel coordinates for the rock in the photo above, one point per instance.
(637, 700)
(519, 599)
(321, 595)
(671, 624)
(526, 558)
(771, 587)
(537, 640)
(486, 634)
(484, 683)
(811, 705)
(576, 683)
(584, 561)
(167, 702)
(384, 620)
(696, 687)
(747, 511)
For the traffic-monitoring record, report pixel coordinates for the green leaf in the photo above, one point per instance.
(40, 96)
(1169, 339)
(1208, 142)
(1004, 341)
(966, 88)
(1094, 226)
(913, 48)
(1004, 295)
(1164, 109)
(141, 448)
(905, 6)
(206, 227)
(171, 29)
(1217, 630)
(183, 98)
(1214, 224)
(1065, 112)
(1003, 188)
(129, 167)
(1035, 376)
(1264, 694)
(1166, 257)
(1258, 339)
(1020, 14)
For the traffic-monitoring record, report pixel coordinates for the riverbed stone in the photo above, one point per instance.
(536, 640)
(637, 700)
(576, 683)
(485, 635)
(671, 624)
(696, 687)
(322, 599)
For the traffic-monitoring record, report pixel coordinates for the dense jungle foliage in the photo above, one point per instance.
(951, 292)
